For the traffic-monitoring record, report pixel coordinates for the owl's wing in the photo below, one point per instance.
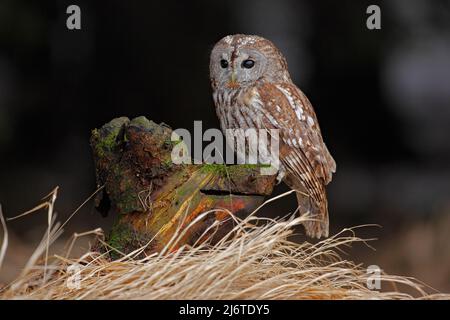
(285, 107)
(302, 150)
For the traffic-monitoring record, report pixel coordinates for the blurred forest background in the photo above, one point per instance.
(382, 98)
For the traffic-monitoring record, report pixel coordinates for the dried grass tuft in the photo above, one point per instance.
(254, 261)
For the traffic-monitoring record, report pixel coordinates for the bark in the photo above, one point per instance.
(152, 197)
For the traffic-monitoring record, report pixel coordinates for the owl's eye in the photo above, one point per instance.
(248, 64)
(224, 63)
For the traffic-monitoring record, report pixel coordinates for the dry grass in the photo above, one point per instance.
(254, 261)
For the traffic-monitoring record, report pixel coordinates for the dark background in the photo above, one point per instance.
(382, 98)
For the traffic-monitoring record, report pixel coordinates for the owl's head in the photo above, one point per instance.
(242, 60)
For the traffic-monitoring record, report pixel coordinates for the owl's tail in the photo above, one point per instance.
(317, 224)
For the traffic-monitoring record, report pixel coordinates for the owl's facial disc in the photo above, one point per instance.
(234, 68)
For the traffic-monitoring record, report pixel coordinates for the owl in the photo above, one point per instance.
(252, 88)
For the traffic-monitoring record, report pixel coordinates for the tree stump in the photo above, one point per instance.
(152, 197)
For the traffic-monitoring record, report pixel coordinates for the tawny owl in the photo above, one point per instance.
(252, 88)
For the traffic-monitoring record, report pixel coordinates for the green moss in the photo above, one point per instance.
(220, 169)
(120, 237)
(124, 239)
(106, 138)
(128, 202)
(106, 144)
(142, 122)
(127, 199)
(253, 166)
(171, 143)
(167, 163)
(225, 171)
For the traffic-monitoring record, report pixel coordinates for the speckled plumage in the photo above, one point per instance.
(264, 97)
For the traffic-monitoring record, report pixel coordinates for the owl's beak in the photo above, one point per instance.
(232, 84)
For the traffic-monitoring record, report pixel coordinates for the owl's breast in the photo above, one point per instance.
(242, 109)
(236, 108)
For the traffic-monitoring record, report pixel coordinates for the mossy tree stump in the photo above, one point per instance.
(153, 197)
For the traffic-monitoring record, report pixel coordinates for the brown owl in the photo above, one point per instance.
(252, 88)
